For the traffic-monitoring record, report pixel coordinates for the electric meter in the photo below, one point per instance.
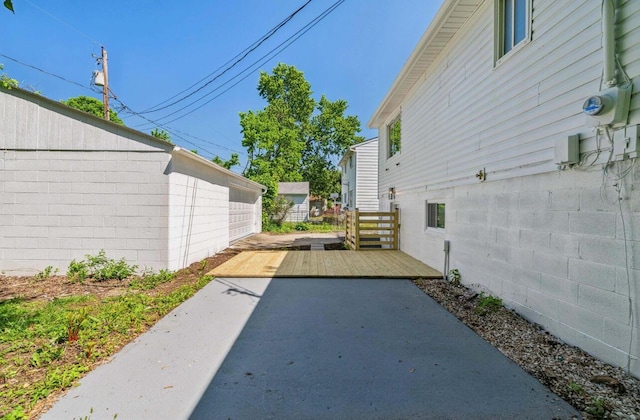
(593, 105)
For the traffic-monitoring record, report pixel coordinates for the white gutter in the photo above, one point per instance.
(608, 43)
(241, 182)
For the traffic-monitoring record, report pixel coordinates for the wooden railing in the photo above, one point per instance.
(371, 230)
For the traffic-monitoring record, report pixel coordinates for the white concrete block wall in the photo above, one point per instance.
(559, 264)
(59, 206)
(72, 184)
(199, 213)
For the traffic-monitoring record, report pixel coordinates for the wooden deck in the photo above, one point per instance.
(357, 264)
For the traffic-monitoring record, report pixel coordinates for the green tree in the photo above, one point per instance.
(161, 134)
(9, 5)
(92, 106)
(294, 138)
(233, 161)
(6, 81)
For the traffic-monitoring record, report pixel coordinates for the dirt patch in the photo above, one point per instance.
(32, 288)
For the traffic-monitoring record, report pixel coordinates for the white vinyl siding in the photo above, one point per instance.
(367, 176)
(360, 180)
(466, 115)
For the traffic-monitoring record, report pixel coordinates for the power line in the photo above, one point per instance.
(46, 72)
(173, 132)
(246, 52)
(61, 21)
(261, 61)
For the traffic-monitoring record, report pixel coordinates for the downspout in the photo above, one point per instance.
(609, 44)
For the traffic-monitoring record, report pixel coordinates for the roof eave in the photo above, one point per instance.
(444, 26)
(244, 182)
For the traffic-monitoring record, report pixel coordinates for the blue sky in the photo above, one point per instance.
(158, 48)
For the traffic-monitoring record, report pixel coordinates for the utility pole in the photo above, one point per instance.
(105, 87)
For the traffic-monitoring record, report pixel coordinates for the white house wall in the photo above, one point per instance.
(366, 157)
(349, 182)
(550, 243)
(69, 188)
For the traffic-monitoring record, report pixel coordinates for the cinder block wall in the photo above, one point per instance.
(199, 212)
(71, 184)
(552, 246)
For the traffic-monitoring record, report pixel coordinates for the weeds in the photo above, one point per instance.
(575, 388)
(301, 226)
(597, 409)
(454, 276)
(74, 323)
(46, 273)
(150, 280)
(203, 266)
(488, 304)
(78, 271)
(100, 268)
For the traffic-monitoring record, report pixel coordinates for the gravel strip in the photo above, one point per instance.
(598, 390)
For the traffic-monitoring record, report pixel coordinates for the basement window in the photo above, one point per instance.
(513, 26)
(435, 215)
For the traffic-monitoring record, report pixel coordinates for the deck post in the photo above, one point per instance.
(357, 229)
(395, 229)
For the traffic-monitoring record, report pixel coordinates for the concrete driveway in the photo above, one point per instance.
(312, 348)
(347, 349)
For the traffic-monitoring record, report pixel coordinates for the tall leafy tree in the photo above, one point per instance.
(92, 106)
(294, 137)
(234, 160)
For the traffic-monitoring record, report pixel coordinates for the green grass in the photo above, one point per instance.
(37, 354)
(302, 227)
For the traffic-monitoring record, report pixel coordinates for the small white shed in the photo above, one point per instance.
(298, 194)
(72, 184)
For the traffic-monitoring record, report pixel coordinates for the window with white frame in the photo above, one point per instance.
(435, 215)
(394, 135)
(513, 25)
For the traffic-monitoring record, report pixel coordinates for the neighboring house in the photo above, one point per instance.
(479, 141)
(359, 168)
(72, 184)
(298, 194)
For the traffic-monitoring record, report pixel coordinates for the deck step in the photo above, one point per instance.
(317, 247)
